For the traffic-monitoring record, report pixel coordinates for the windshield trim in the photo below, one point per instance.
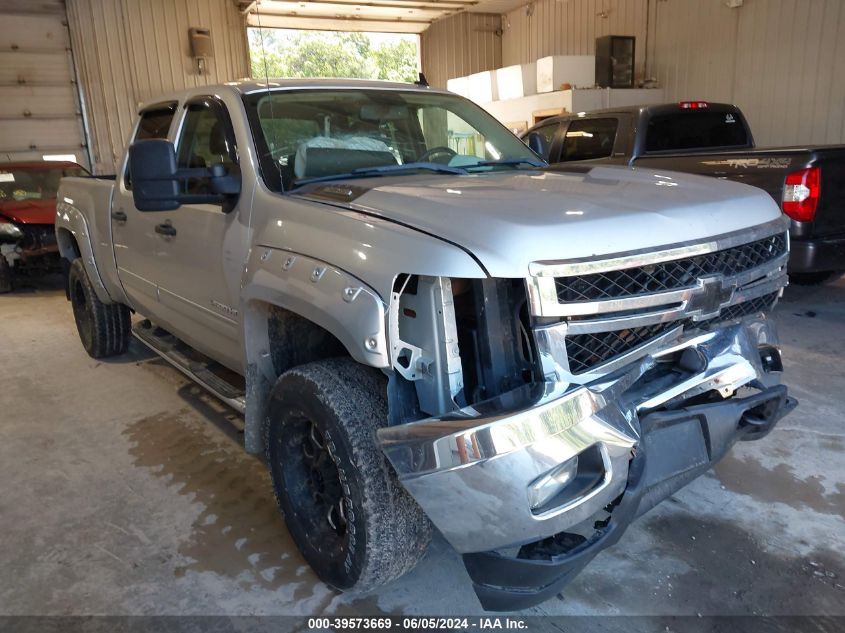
(364, 86)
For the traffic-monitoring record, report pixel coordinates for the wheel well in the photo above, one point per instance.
(277, 340)
(294, 340)
(68, 247)
(69, 250)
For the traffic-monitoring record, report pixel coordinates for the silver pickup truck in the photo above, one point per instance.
(424, 324)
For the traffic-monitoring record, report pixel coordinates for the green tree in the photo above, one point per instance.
(396, 62)
(277, 53)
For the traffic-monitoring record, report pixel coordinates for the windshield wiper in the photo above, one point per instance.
(364, 172)
(524, 160)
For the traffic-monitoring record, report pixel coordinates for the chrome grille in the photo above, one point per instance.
(589, 350)
(671, 275)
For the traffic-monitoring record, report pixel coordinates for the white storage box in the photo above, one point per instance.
(577, 70)
(517, 81)
(458, 85)
(482, 87)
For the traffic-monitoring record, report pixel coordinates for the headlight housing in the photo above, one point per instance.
(9, 232)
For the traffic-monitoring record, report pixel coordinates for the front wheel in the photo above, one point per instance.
(103, 327)
(352, 520)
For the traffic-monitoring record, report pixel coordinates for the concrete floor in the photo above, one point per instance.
(124, 490)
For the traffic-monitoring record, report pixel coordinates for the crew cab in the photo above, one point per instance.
(714, 139)
(27, 213)
(423, 324)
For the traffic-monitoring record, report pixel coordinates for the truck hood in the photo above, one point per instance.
(29, 211)
(509, 219)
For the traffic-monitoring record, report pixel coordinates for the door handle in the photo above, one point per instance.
(165, 229)
(118, 216)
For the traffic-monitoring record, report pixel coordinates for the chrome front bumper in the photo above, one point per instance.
(471, 471)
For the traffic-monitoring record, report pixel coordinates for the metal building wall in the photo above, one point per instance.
(790, 70)
(129, 51)
(780, 61)
(570, 27)
(460, 45)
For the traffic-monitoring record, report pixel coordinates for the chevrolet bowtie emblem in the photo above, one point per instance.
(712, 294)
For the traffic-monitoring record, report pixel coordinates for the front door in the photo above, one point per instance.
(200, 261)
(134, 232)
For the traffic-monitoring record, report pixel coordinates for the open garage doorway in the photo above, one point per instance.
(276, 52)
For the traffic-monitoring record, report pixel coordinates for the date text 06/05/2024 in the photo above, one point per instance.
(417, 623)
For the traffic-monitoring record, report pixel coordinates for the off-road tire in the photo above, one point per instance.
(103, 328)
(5, 276)
(387, 532)
(812, 279)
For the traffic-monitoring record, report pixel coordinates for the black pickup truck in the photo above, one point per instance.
(714, 139)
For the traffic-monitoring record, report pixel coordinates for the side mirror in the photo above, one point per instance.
(159, 185)
(223, 182)
(537, 144)
(155, 182)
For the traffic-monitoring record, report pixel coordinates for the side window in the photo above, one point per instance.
(589, 139)
(206, 139)
(540, 139)
(155, 123)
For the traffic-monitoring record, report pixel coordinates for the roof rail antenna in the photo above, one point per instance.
(422, 81)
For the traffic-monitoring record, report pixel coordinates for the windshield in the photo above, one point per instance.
(33, 183)
(322, 134)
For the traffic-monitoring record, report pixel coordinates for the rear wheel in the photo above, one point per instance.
(352, 520)
(103, 328)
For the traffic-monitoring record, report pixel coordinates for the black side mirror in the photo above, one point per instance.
(223, 182)
(537, 144)
(155, 182)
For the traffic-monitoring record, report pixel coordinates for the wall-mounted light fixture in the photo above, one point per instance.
(201, 48)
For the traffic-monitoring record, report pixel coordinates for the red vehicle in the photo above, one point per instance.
(27, 215)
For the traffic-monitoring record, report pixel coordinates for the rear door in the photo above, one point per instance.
(133, 232)
(199, 262)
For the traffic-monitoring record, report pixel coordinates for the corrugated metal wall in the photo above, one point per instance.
(790, 70)
(570, 27)
(781, 61)
(694, 48)
(131, 50)
(460, 45)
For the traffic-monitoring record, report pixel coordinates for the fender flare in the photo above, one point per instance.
(71, 223)
(329, 297)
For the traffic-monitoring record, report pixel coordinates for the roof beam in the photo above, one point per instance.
(336, 24)
(391, 4)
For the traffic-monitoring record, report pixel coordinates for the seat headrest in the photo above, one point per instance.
(217, 140)
(325, 161)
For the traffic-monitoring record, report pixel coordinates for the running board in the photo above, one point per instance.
(176, 353)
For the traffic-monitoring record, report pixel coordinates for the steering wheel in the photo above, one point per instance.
(428, 155)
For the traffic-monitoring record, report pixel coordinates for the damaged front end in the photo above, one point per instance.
(27, 248)
(534, 420)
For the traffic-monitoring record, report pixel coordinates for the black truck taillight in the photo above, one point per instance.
(801, 193)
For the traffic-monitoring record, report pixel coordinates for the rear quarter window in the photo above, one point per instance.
(695, 130)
